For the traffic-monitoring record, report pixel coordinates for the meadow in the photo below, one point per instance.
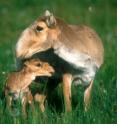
(101, 15)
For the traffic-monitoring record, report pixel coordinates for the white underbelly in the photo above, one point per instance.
(79, 61)
(76, 59)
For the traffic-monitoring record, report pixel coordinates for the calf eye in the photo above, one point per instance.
(39, 29)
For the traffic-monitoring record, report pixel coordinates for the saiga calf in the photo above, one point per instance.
(18, 82)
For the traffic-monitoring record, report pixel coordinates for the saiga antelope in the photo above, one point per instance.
(76, 52)
(18, 82)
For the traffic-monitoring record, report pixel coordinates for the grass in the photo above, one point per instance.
(102, 16)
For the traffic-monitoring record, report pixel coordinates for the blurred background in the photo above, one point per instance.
(101, 15)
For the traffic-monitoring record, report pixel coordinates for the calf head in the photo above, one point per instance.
(38, 68)
(37, 37)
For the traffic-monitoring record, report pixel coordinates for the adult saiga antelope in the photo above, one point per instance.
(76, 52)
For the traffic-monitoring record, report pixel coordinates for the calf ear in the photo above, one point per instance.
(50, 19)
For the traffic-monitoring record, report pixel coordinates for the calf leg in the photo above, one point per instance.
(24, 103)
(9, 100)
(67, 80)
(30, 100)
(87, 95)
(46, 92)
(40, 98)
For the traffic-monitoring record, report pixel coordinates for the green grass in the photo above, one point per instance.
(15, 15)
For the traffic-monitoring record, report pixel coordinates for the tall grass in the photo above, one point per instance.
(102, 16)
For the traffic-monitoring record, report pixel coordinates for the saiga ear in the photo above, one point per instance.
(50, 19)
(26, 63)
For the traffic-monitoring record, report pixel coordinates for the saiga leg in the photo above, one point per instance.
(87, 96)
(67, 80)
(24, 103)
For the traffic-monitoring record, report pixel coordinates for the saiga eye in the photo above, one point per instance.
(39, 64)
(39, 29)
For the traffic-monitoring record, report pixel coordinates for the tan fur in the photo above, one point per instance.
(80, 46)
(18, 82)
